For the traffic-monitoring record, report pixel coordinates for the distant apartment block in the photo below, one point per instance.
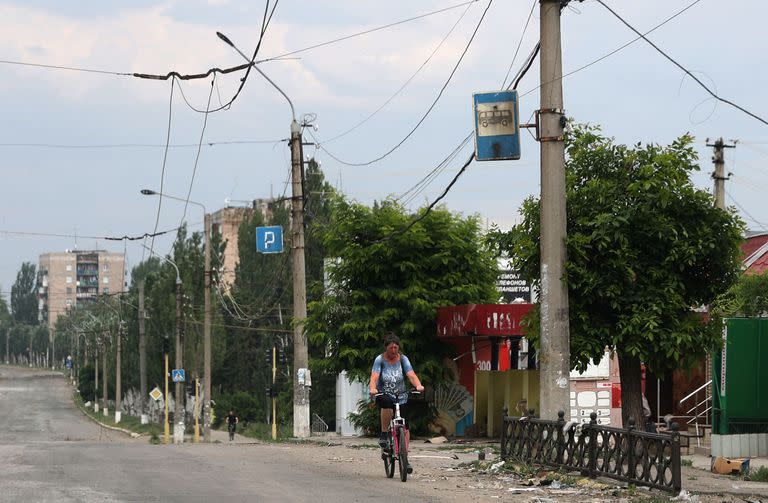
(226, 222)
(76, 277)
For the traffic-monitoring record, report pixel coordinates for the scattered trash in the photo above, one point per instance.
(556, 484)
(686, 496)
(496, 466)
(518, 490)
(730, 466)
(436, 440)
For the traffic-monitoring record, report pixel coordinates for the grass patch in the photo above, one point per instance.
(686, 462)
(757, 475)
(127, 422)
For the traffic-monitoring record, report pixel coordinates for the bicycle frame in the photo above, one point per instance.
(396, 423)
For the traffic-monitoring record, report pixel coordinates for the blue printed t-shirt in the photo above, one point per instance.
(391, 375)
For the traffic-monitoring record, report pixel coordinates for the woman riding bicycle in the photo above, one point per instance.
(388, 376)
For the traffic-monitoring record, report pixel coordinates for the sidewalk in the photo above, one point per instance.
(696, 479)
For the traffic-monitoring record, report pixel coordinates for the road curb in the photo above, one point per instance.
(130, 433)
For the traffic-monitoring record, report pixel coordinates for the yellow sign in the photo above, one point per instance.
(156, 394)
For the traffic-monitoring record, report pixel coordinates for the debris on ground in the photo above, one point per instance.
(436, 440)
(686, 496)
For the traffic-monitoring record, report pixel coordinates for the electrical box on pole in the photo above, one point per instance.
(497, 129)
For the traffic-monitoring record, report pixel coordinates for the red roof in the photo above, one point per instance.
(755, 254)
(482, 319)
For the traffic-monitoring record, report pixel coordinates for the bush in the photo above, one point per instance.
(247, 407)
(85, 383)
(417, 413)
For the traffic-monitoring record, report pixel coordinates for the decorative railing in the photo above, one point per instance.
(629, 455)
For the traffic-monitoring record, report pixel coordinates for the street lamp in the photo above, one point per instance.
(178, 413)
(301, 379)
(207, 315)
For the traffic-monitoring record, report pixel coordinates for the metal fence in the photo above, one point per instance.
(629, 455)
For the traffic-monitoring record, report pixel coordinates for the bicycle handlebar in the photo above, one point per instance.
(397, 396)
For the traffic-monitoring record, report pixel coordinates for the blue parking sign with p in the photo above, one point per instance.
(269, 239)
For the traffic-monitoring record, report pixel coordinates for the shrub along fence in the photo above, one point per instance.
(629, 455)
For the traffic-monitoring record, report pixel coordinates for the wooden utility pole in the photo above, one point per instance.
(300, 352)
(719, 175)
(142, 357)
(554, 356)
(207, 334)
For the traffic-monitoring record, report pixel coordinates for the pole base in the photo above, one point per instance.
(178, 433)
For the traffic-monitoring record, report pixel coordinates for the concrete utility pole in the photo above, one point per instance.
(207, 334)
(719, 175)
(142, 357)
(178, 412)
(300, 351)
(554, 356)
(118, 372)
(7, 345)
(301, 377)
(104, 404)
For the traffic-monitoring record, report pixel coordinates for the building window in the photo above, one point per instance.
(105, 281)
(69, 290)
(106, 290)
(106, 267)
(69, 279)
(69, 302)
(69, 267)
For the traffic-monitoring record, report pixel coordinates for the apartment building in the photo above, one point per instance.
(75, 277)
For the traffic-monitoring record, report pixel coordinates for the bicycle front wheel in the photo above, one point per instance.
(402, 455)
(388, 455)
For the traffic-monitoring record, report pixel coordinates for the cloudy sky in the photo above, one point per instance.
(78, 146)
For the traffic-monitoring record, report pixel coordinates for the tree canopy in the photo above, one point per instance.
(23, 295)
(644, 248)
(387, 276)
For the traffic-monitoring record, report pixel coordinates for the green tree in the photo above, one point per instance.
(23, 296)
(748, 297)
(644, 247)
(387, 276)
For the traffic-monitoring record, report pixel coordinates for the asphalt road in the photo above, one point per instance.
(50, 452)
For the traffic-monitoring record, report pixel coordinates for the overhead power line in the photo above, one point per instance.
(104, 146)
(85, 236)
(410, 79)
(425, 115)
(687, 72)
(365, 32)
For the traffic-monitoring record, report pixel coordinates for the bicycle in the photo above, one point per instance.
(397, 448)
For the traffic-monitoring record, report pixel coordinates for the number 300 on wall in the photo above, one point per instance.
(484, 365)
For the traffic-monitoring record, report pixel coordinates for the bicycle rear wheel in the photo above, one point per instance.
(402, 455)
